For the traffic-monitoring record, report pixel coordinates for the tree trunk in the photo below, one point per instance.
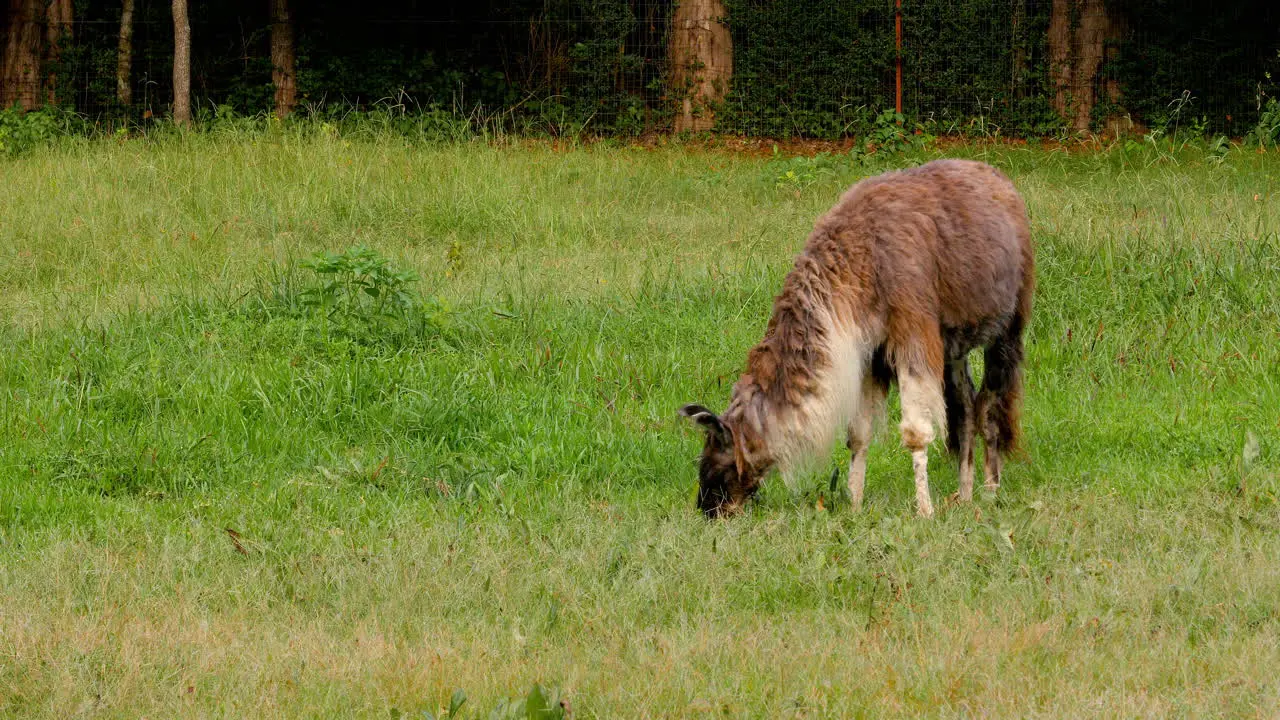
(283, 62)
(22, 66)
(1060, 36)
(701, 59)
(1018, 70)
(1079, 33)
(181, 64)
(124, 56)
(57, 32)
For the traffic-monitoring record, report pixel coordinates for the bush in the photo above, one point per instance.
(21, 131)
(1267, 132)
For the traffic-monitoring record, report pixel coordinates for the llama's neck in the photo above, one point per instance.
(802, 383)
(787, 362)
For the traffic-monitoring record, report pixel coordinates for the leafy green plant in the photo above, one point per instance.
(541, 703)
(797, 173)
(1218, 149)
(1169, 122)
(358, 283)
(454, 259)
(225, 120)
(456, 701)
(356, 294)
(1266, 133)
(892, 133)
(22, 131)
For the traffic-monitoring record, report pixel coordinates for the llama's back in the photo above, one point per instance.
(953, 225)
(969, 202)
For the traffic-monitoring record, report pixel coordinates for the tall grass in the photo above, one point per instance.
(217, 498)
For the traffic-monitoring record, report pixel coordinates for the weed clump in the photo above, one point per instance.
(357, 294)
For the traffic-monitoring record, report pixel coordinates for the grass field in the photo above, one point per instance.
(218, 500)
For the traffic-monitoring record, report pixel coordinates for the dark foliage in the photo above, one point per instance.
(821, 68)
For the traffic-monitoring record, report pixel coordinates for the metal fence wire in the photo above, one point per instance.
(819, 68)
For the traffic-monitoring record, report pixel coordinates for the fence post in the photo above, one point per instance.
(897, 21)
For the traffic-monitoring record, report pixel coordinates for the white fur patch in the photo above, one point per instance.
(920, 464)
(802, 437)
(924, 408)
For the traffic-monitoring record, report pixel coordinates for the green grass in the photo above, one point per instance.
(491, 488)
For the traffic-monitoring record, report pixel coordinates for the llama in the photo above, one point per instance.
(908, 272)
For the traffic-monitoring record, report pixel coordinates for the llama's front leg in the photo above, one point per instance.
(861, 429)
(922, 408)
(857, 472)
(920, 464)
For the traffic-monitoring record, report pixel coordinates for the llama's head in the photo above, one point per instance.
(725, 479)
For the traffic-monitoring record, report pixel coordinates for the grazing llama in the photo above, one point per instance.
(897, 283)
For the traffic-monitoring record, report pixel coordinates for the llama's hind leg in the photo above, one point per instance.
(861, 429)
(961, 399)
(999, 403)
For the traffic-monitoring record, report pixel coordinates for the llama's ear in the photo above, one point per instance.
(704, 417)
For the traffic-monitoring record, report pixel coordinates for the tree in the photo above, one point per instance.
(124, 56)
(1080, 32)
(23, 62)
(701, 61)
(283, 71)
(1018, 69)
(181, 64)
(57, 32)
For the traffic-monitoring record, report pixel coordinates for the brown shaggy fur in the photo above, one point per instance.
(916, 268)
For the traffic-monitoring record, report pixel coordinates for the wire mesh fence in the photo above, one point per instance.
(822, 68)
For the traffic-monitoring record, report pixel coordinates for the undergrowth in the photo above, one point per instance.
(886, 134)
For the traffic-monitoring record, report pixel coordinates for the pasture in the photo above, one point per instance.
(232, 485)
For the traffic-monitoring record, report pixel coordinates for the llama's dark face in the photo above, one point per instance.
(724, 485)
